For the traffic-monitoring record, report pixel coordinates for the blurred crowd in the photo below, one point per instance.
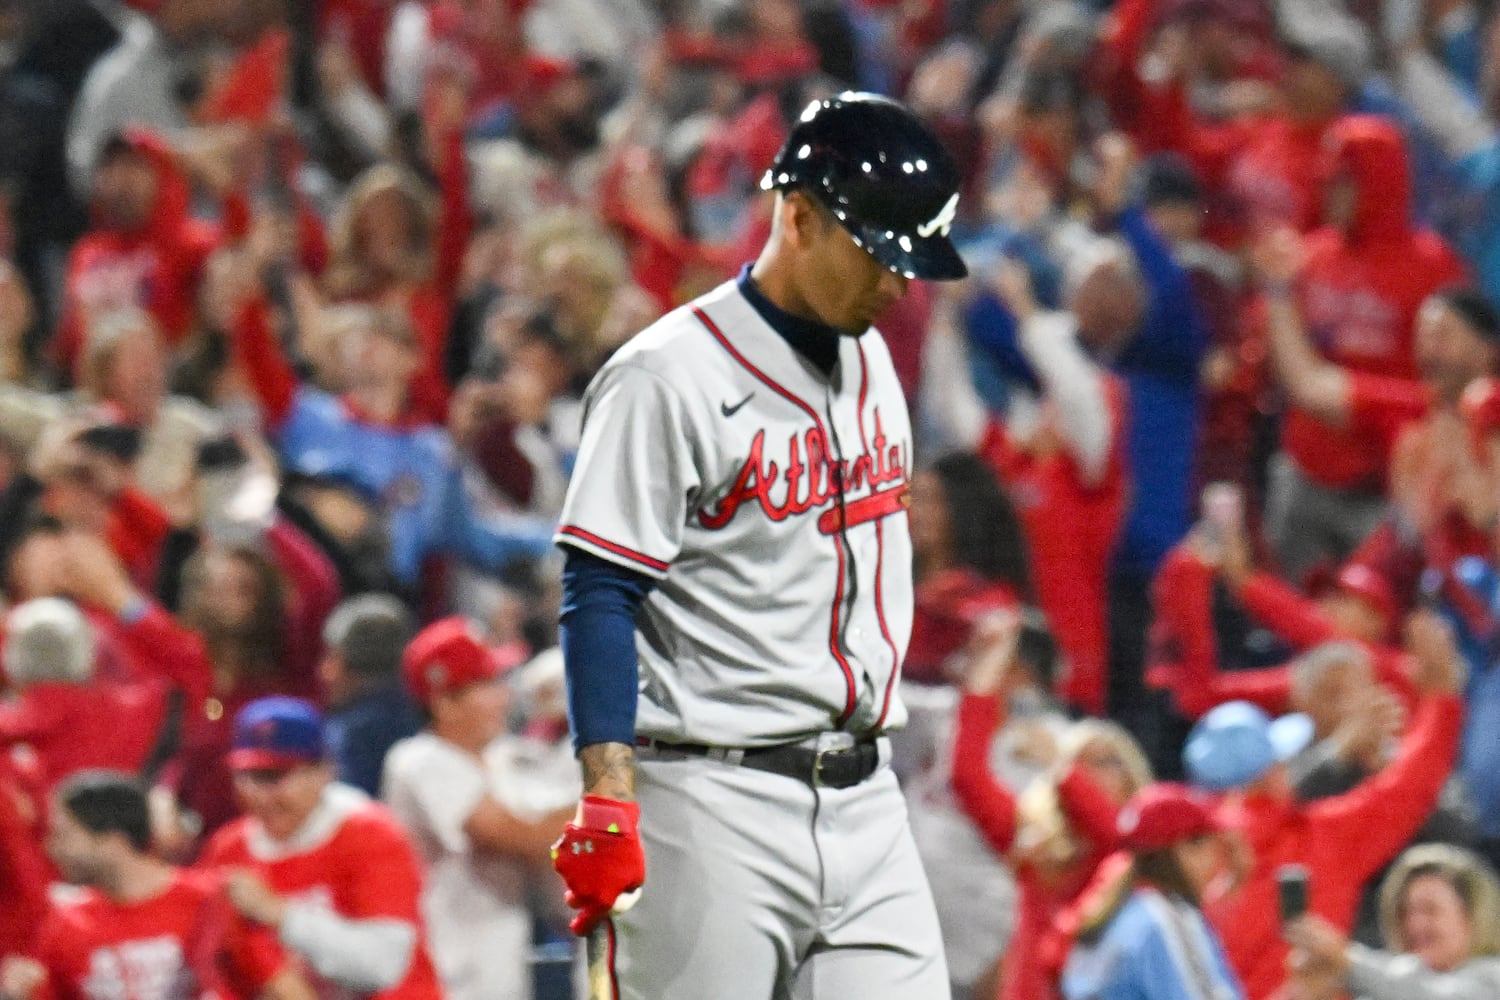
(297, 304)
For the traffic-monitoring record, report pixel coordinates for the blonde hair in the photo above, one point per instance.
(349, 273)
(1470, 877)
(571, 249)
(1044, 834)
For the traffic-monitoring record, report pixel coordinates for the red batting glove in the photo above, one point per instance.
(599, 858)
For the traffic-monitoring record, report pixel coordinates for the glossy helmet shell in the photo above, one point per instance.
(883, 174)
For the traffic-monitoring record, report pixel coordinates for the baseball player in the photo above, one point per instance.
(738, 599)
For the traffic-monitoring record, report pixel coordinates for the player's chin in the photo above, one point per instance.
(859, 322)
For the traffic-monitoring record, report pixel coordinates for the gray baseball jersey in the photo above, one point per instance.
(712, 459)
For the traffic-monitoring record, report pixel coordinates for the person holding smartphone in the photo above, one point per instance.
(1237, 751)
(1440, 914)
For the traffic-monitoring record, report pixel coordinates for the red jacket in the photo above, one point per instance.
(123, 715)
(1360, 292)
(992, 808)
(24, 870)
(947, 604)
(155, 267)
(1071, 530)
(1185, 647)
(1344, 841)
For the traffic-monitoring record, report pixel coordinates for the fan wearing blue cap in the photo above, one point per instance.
(1239, 751)
(1238, 744)
(327, 870)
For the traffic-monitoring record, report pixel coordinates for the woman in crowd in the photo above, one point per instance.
(236, 599)
(1154, 943)
(969, 558)
(397, 247)
(1058, 830)
(1440, 913)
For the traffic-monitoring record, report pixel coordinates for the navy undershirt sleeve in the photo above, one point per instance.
(597, 635)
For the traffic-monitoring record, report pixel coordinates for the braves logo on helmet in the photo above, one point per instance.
(942, 223)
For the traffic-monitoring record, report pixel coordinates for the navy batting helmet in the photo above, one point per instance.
(883, 174)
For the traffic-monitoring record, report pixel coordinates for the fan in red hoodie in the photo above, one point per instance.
(144, 249)
(1349, 422)
(1344, 841)
(1366, 274)
(136, 928)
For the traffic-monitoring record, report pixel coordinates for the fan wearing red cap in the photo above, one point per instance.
(447, 785)
(1155, 943)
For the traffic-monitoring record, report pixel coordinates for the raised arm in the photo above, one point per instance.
(1312, 383)
(981, 712)
(1071, 381)
(1383, 813)
(257, 350)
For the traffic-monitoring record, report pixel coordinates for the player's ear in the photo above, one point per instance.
(801, 218)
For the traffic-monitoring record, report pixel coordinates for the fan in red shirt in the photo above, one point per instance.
(1064, 463)
(1054, 833)
(145, 249)
(1345, 840)
(393, 248)
(137, 928)
(1358, 291)
(1260, 166)
(24, 872)
(969, 559)
(1358, 605)
(61, 684)
(328, 877)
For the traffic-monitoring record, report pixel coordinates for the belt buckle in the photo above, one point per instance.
(829, 744)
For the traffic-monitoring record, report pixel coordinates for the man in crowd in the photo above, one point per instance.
(361, 670)
(1357, 290)
(443, 784)
(138, 929)
(1344, 840)
(326, 877)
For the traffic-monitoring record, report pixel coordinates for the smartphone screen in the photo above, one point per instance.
(1291, 885)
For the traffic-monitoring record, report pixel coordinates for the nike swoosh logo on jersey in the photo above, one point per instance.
(730, 411)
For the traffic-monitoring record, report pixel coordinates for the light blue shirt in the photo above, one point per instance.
(411, 475)
(1155, 948)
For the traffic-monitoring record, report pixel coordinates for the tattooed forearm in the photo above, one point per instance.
(608, 770)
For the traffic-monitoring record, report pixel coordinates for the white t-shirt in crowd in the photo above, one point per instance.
(475, 903)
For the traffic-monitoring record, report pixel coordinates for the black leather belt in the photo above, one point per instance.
(841, 767)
